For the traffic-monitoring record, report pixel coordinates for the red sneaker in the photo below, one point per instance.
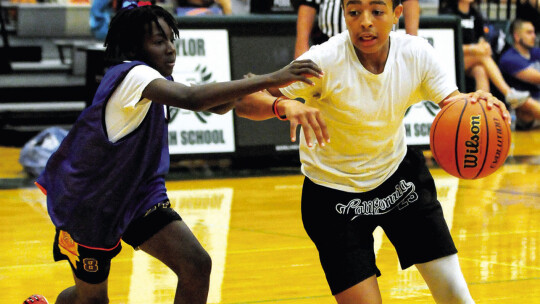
(36, 299)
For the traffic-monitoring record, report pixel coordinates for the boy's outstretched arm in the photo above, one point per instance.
(207, 96)
(259, 106)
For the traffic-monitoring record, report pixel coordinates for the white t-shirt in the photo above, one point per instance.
(364, 111)
(125, 109)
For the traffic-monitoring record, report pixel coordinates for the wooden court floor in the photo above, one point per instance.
(251, 227)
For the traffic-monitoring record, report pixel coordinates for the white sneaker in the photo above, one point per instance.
(516, 98)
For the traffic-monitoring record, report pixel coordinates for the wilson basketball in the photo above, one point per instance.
(469, 141)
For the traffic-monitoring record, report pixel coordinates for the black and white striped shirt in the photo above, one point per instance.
(330, 19)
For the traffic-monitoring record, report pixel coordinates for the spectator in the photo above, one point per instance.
(101, 12)
(100, 16)
(240, 7)
(331, 21)
(521, 67)
(477, 53)
(529, 10)
(203, 7)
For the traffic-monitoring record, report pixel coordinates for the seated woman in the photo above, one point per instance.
(203, 7)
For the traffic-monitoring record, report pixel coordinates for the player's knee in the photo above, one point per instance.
(457, 299)
(99, 301)
(83, 294)
(94, 299)
(197, 265)
(196, 274)
(203, 263)
(455, 295)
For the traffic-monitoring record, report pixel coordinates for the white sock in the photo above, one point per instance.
(445, 280)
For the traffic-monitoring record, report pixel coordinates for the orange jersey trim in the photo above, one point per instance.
(102, 249)
(41, 188)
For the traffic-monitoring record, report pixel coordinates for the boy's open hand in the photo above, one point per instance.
(299, 70)
(311, 120)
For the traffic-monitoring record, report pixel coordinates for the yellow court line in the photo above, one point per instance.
(498, 263)
(270, 249)
(500, 233)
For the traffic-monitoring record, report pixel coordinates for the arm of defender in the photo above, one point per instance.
(207, 96)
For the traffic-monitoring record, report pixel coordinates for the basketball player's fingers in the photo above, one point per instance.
(475, 96)
(294, 125)
(307, 63)
(317, 129)
(302, 75)
(306, 127)
(307, 135)
(324, 129)
(306, 66)
(506, 115)
(305, 80)
(309, 72)
(502, 108)
(499, 105)
(491, 101)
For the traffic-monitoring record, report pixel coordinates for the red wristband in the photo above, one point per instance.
(275, 109)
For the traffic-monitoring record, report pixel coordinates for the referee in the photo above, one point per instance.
(331, 22)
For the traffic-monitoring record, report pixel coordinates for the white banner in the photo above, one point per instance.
(202, 57)
(420, 116)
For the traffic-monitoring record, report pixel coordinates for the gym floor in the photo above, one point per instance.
(251, 227)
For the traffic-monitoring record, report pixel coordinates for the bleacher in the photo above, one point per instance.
(38, 94)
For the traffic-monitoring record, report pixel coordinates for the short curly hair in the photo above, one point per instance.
(127, 29)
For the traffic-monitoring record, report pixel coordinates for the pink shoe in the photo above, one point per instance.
(36, 299)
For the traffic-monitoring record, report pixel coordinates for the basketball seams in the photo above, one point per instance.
(486, 148)
(457, 137)
(432, 135)
(471, 140)
(508, 142)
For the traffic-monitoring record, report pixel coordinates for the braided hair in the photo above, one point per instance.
(128, 28)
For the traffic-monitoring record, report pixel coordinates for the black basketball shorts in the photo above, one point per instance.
(341, 224)
(92, 265)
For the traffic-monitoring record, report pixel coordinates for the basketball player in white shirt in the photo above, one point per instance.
(366, 176)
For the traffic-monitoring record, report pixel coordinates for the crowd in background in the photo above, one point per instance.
(484, 40)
